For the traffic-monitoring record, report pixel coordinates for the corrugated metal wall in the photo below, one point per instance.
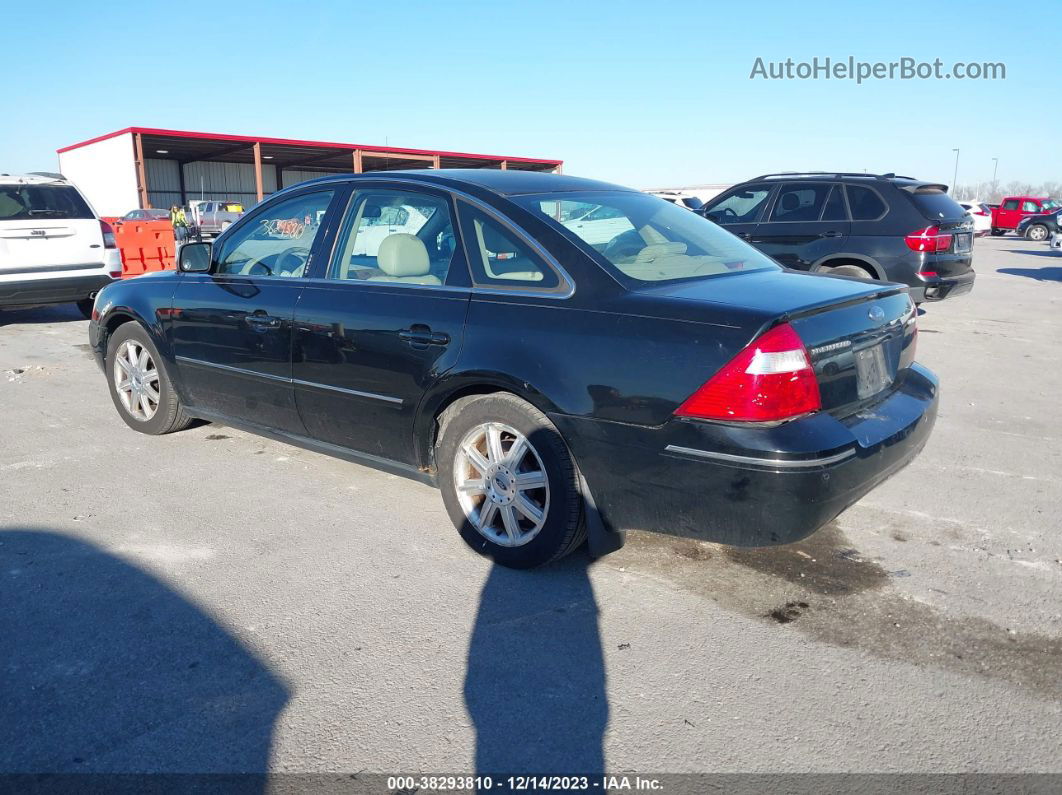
(206, 180)
(293, 176)
(218, 181)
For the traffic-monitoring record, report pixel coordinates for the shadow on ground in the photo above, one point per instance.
(1046, 274)
(535, 683)
(28, 316)
(107, 669)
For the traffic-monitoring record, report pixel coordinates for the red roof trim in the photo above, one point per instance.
(295, 142)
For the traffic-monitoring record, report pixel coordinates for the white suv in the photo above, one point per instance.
(53, 247)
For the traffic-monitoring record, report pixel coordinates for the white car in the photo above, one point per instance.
(681, 198)
(54, 249)
(981, 215)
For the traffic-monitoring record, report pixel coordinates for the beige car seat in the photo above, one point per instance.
(404, 258)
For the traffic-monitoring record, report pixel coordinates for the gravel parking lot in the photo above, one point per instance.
(215, 601)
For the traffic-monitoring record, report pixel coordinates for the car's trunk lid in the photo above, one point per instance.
(859, 334)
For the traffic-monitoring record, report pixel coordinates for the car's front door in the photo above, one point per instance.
(230, 329)
(1008, 214)
(739, 210)
(378, 324)
(807, 223)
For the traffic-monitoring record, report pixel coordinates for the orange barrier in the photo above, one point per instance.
(145, 245)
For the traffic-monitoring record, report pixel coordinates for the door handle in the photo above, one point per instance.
(420, 335)
(831, 233)
(744, 235)
(262, 321)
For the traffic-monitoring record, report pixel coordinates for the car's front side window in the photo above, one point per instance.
(395, 236)
(276, 241)
(742, 206)
(656, 241)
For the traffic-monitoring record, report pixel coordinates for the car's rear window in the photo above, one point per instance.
(645, 238)
(937, 205)
(26, 202)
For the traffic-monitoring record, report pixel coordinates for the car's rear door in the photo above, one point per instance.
(807, 223)
(378, 323)
(231, 329)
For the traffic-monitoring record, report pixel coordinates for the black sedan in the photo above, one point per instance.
(1040, 226)
(561, 357)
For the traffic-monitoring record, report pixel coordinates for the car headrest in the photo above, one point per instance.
(497, 242)
(790, 201)
(403, 255)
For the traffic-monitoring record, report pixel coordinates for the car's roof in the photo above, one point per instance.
(508, 182)
(31, 179)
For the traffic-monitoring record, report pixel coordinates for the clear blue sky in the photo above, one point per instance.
(641, 93)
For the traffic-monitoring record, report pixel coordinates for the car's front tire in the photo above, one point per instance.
(998, 232)
(508, 481)
(1036, 232)
(139, 384)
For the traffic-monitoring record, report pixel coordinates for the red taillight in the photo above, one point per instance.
(981, 213)
(108, 235)
(928, 239)
(770, 380)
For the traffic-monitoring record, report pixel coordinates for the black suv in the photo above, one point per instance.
(877, 226)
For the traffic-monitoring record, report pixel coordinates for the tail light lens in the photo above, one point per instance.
(770, 380)
(928, 239)
(981, 213)
(108, 235)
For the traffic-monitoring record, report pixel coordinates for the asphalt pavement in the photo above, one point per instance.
(214, 601)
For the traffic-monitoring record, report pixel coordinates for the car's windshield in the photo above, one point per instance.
(646, 238)
(25, 202)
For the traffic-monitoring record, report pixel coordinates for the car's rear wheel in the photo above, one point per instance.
(1036, 232)
(847, 270)
(140, 385)
(85, 305)
(508, 481)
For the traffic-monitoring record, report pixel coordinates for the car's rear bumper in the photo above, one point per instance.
(52, 291)
(750, 486)
(937, 289)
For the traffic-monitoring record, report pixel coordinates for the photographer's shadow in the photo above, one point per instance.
(106, 669)
(535, 683)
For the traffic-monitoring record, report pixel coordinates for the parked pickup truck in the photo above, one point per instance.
(1013, 208)
(213, 218)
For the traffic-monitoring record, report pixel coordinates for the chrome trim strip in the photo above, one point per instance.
(230, 369)
(805, 463)
(354, 392)
(85, 266)
(269, 377)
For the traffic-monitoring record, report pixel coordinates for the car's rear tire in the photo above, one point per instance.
(85, 305)
(847, 270)
(142, 390)
(1036, 232)
(998, 232)
(508, 481)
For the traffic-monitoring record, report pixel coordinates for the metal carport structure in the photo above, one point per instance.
(144, 167)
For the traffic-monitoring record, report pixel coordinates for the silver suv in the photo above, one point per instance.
(53, 247)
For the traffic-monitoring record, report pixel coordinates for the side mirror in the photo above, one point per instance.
(194, 258)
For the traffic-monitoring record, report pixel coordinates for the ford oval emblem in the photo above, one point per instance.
(876, 313)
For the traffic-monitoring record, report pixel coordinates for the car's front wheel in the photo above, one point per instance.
(140, 385)
(508, 481)
(997, 232)
(1036, 232)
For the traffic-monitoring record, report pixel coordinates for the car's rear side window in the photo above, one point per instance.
(645, 238)
(864, 203)
(936, 205)
(500, 258)
(26, 202)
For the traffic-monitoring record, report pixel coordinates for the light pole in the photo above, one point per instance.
(955, 176)
(995, 167)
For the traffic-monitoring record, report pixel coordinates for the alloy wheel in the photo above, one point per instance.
(136, 380)
(501, 484)
(1037, 232)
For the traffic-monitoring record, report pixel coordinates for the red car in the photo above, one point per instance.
(1013, 208)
